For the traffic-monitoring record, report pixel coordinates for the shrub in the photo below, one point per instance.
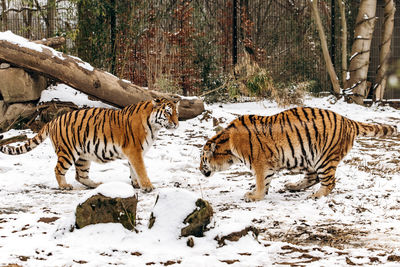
(167, 85)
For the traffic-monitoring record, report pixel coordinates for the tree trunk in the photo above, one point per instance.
(4, 18)
(384, 53)
(83, 77)
(343, 23)
(324, 45)
(359, 60)
(51, 17)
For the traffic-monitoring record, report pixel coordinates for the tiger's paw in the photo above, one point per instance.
(66, 187)
(292, 187)
(94, 185)
(135, 184)
(316, 195)
(322, 192)
(252, 196)
(147, 188)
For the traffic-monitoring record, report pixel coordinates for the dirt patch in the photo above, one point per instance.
(334, 235)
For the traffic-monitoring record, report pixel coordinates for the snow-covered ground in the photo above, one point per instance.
(356, 224)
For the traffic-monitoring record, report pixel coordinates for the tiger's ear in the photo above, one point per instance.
(212, 147)
(210, 153)
(156, 102)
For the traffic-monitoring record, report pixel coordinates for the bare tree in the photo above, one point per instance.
(343, 23)
(384, 53)
(360, 52)
(324, 44)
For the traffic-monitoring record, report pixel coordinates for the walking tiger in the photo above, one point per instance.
(102, 135)
(309, 140)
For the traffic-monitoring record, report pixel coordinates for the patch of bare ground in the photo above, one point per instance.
(372, 162)
(334, 235)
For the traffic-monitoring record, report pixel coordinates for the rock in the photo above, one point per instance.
(4, 66)
(17, 85)
(198, 219)
(179, 212)
(235, 236)
(190, 108)
(12, 114)
(190, 242)
(101, 209)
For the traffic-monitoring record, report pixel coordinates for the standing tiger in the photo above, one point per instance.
(309, 140)
(102, 135)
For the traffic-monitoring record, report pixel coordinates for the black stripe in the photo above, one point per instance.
(290, 144)
(250, 143)
(223, 141)
(303, 151)
(254, 122)
(323, 126)
(309, 140)
(305, 113)
(288, 122)
(294, 112)
(151, 129)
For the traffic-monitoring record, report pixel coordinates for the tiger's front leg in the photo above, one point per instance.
(263, 180)
(135, 158)
(133, 177)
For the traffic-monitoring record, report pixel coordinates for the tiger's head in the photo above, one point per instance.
(164, 114)
(216, 156)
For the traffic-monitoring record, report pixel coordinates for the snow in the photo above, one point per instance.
(357, 222)
(111, 189)
(172, 207)
(23, 42)
(352, 56)
(68, 94)
(20, 41)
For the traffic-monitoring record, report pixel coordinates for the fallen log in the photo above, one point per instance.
(82, 76)
(54, 42)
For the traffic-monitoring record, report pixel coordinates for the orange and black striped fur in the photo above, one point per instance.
(102, 135)
(308, 140)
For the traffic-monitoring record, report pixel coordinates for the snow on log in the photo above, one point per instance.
(80, 75)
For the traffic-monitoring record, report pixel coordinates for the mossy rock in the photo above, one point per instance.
(198, 219)
(101, 209)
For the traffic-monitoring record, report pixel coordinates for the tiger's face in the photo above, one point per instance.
(165, 114)
(215, 158)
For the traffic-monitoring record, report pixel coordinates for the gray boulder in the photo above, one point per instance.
(17, 85)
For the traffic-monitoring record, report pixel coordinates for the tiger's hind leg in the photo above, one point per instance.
(64, 162)
(82, 167)
(327, 178)
(310, 179)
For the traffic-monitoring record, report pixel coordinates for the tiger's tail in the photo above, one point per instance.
(377, 130)
(28, 145)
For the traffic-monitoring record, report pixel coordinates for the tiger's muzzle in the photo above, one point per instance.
(172, 126)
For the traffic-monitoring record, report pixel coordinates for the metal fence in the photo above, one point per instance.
(192, 43)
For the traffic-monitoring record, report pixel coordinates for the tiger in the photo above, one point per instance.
(102, 135)
(302, 140)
